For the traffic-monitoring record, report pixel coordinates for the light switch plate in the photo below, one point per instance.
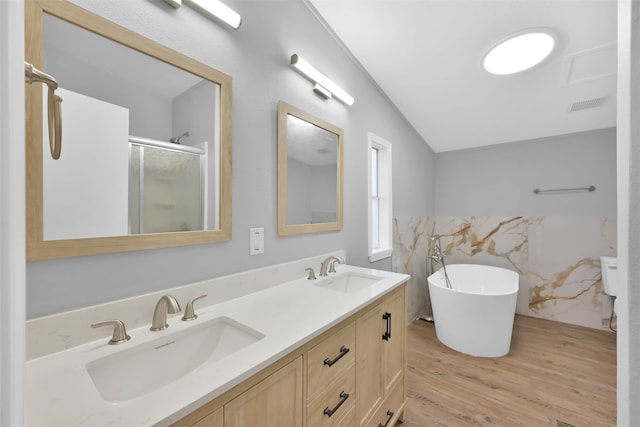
(256, 241)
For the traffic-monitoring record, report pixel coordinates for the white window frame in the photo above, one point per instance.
(385, 202)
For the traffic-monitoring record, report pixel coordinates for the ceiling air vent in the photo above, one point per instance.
(587, 103)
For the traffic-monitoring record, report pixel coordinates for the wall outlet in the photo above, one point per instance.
(605, 323)
(256, 241)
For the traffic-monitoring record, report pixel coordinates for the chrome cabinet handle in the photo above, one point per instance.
(343, 350)
(343, 398)
(387, 316)
(119, 331)
(389, 416)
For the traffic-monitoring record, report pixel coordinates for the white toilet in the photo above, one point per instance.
(610, 276)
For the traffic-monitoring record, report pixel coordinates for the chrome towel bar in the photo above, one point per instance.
(565, 190)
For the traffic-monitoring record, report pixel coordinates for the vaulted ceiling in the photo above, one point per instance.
(426, 55)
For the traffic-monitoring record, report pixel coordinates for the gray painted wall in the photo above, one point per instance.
(499, 180)
(257, 57)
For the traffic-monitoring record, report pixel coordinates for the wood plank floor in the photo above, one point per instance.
(555, 373)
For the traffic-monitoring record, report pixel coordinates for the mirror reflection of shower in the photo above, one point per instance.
(178, 139)
(166, 187)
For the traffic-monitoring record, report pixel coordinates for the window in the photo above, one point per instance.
(380, 216)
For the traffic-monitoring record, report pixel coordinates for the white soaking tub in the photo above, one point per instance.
(476, 316)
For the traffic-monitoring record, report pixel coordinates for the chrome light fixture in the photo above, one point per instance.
(323, 85)
(215, 8)
(520, 51)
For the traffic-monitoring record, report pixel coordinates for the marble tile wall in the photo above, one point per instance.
(410, 247)
(558, 259)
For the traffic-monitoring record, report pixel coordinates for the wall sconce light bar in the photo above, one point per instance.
(321, 91)
(215, 8)
(320, 79)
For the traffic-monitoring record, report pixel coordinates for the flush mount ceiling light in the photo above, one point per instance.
(323, 85)
(520, 51)
(215, 8)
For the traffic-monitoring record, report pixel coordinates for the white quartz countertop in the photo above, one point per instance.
(60, 391)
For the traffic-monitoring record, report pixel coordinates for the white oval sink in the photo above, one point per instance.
(348, 283)
(142, 369)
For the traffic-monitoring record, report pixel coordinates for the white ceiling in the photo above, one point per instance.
(426, 56)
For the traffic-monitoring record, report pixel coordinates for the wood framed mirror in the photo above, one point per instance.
(310, 170)
(146, 140)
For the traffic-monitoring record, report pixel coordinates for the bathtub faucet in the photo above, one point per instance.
(438, 256)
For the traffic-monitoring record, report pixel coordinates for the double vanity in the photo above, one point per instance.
(304, 343)
(266, 347)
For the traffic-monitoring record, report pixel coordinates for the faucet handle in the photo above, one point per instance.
(119, 331)
(311, 275)
(189, 313)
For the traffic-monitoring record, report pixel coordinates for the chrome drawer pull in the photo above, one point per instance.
(343, 350)
(343, 398)
(389, 415)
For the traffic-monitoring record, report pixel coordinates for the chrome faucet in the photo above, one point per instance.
(328, 265)
(438, 256)
(166, 304)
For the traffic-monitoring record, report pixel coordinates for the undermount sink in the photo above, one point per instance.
(348, 283)
(145, 368)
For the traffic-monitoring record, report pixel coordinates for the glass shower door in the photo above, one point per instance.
(165, 191)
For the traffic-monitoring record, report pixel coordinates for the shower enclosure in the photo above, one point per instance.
(166, 183)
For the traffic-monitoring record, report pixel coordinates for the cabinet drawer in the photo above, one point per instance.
(389, 410)
(326, 360)
(215, 419)
(349, 420)
(333, 398)
(276, 401)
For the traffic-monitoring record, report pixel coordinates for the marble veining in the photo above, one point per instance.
(501, 242)
(410, 246)
(455, 238)
(541, 295)
(558, 259)
(478, 243)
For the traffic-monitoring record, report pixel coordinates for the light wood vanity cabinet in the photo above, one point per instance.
(215, 419)
(380, 362)
(276, 401)
(331, 379)
(352, 375)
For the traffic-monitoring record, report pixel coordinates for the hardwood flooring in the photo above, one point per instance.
(554, 375)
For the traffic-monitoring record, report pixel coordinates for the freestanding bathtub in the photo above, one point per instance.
(476, 316)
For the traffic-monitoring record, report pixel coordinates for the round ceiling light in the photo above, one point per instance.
(520, 51)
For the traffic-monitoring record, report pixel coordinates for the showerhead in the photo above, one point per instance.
(177, 139)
